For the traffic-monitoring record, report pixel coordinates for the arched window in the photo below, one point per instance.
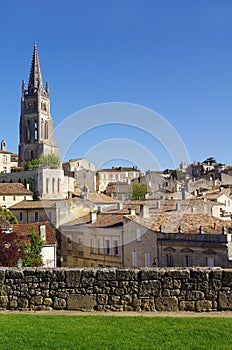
(53, 185)
(58, 186)
(28, 131)
(35, 130)
(46, 130)
(47, 185)
(32, 154)
(42, 129)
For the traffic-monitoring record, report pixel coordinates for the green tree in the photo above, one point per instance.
(32, 252)
(33, 164)
(139, 191)
(210, 160)
(51, 161)
(8, 216)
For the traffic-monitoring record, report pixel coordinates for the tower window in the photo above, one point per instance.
(35, 130)
(28, 131)
(46, 130)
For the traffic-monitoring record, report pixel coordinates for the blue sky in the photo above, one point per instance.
(173, 57)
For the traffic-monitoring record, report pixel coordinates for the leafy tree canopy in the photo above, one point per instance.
(8, 216)
(139, 191)
(32, 252)
(210, 160)
(51, 161)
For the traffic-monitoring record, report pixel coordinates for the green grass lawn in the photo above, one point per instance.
(113, 332)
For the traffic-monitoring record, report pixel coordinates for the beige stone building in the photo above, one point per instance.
(184, 239)
(84, 173)
(8, 160)
(13, 193)
(106, 240)
(125, 174)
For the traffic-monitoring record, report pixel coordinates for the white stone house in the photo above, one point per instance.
(13, 193)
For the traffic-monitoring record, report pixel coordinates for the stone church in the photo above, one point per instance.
(36, 139)
(36, 123)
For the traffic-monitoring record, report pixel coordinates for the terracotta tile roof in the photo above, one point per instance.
(103, 220)
(214, 196)
(14, 189)
(23, 231)
(100, 198)
(25, 204)
(5, 152)
(190, 223)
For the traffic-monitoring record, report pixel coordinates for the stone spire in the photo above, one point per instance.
(35, 82)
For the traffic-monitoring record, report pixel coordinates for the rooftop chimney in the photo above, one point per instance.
(177, 206)
(145, 211)
(132, 211)
(93, 217)
(42, 231)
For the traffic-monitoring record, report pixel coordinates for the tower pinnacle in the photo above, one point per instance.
(35, 82)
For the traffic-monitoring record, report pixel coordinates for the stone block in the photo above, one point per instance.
(203, 305)
(59, 303)
(199, 273)
(195, 295)
(166, 304)
(126, 299)
(3, 301)
(81, 302)
(216, 273)
(167, 282)
(106, 275)
(215, 284)
(176, 283)
(13, 304)
(225, 301)
(37, 300)
(13, 274)
(59, 275)
(2, 275)
(45, 275)
(114, 299)
(73, 278)
(47, 301)
(149, 288)
(102, 299)
(23, 303)
(178, 273)
(227, 278)
(147, 304)
(149, 274)
(126, 275)
(187, 306)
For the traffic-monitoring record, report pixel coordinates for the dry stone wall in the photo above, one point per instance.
(156, 289)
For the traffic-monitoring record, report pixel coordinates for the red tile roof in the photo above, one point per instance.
(23, 231)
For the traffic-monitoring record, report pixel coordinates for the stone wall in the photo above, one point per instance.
(116, 289)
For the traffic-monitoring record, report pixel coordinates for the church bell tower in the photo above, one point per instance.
(36, 123)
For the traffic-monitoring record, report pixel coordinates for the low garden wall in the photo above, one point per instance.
(156, 289)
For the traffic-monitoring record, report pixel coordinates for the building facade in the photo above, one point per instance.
(125, 174)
